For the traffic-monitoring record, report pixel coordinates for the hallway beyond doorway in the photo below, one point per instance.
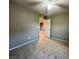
(44, 31)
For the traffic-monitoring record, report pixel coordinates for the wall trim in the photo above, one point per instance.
(58, 39)
(22, 45)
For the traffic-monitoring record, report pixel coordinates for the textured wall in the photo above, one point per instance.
(60, 26)
(23, 25)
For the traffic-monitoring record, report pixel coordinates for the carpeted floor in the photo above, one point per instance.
(50, 49)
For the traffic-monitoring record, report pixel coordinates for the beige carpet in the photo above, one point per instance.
(50, 49)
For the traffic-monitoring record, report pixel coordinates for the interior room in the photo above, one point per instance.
(39, 29)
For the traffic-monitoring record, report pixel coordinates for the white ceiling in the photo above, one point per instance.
(59, 6)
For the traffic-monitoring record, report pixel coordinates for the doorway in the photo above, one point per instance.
(44, 28)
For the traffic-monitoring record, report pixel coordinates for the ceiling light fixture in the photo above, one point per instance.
(49, 6)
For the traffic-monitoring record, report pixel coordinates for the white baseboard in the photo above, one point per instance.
(22, 45)
(58, 39)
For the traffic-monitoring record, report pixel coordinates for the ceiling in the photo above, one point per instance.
(39, 6)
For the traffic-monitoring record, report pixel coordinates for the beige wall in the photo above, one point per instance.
(60, 26)
(23, 24)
